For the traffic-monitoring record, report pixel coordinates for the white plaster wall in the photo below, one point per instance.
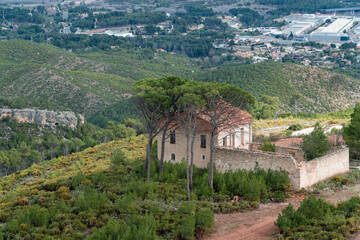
(235, 135)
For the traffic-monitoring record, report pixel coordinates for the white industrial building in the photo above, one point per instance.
(302, 23)
(334, 32)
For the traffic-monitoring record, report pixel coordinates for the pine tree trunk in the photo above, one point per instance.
(211, 167)
(147, 160)
(192, 159)
(162, 152)
(148, 150)
(187, 167)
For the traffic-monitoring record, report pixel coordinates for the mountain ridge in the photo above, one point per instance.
(320, 90)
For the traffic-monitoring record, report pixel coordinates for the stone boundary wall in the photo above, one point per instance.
(296, 152)
(334, 163)
(234, 159)
(303, 174)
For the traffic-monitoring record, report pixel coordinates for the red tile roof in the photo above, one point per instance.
(233, 117)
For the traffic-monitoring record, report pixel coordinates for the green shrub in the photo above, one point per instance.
(91, 200)
(204, 221)
(35, 216)
(142, 227)
(80, 177)
(13, 226)
(279, 196)
(113, 230)
(98, 178)
(268, 146)
(295, 127)
(118, 158)
(277, 180)
(186, 208)
(312, 211)
(60, 208)
(127, 204)
(142, 189)
(186, 230)
(39, 217)
(254, 189)
(349, 207)
(315, 208)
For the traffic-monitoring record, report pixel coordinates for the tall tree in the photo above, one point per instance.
(24, 151)
(38, 143)
(221, 106)
(34, 157)
(66, 145)
(78, 143)
(173, 87)
(352, 133)
(52, 142)
(4, 163)
(186, 117)
(15, 159)
(153, 102)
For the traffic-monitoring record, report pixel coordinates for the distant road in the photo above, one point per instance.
(342, 9)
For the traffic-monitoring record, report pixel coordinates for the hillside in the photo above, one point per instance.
(83, 83)
(101, 193)
(42, 193)
(320, 90)
(87, 83)
(134, 64)
(82, 92)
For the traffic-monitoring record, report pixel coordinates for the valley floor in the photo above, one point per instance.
(259, 224)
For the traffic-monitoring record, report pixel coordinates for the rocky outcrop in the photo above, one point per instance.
(43, 117)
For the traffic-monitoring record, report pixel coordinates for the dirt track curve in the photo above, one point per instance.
(259, 223)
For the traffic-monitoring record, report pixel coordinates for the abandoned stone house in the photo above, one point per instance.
(235, 150)
(237, 135)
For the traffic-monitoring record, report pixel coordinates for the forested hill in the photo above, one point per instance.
(41, 75)
(37, 73)
(320, 90)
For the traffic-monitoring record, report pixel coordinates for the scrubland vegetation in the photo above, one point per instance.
(319, 219)
(101, 193)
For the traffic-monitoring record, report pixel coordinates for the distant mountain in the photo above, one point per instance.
(321, 90)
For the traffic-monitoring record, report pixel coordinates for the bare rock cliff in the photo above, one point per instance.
(43, 117)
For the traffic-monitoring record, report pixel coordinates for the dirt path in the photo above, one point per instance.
(259, 224)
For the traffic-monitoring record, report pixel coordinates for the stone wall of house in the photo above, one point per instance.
(297, 153)
(201, 155)
(43, 117)
(302, 174)
(319, 169)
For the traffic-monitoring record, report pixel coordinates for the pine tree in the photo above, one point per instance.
(352, 132)
(316, 144)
